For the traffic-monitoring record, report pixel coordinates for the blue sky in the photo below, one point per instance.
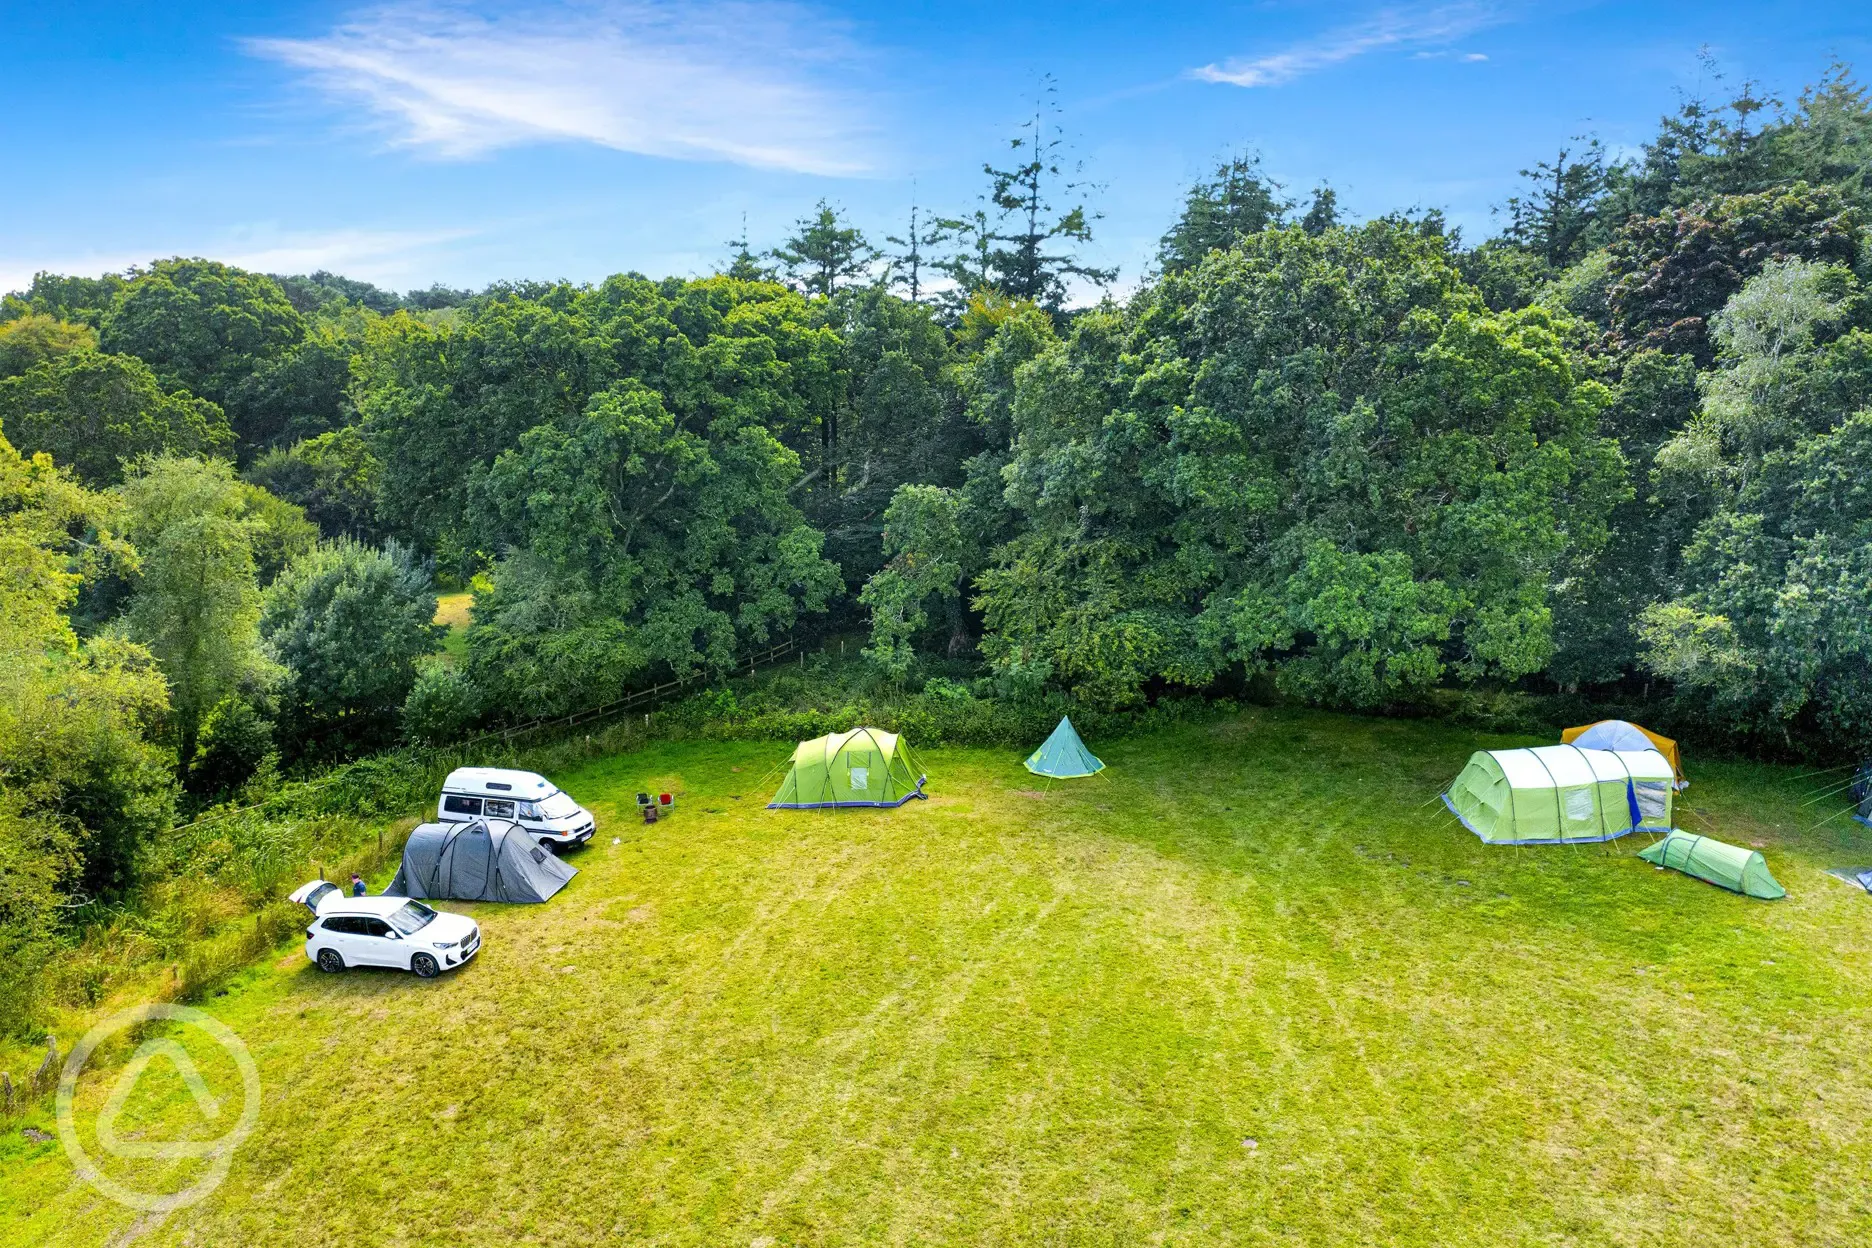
(410, 143)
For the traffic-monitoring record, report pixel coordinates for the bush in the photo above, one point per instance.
(441, 707)
(235, 740)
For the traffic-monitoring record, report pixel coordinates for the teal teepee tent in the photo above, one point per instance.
(1064, 755)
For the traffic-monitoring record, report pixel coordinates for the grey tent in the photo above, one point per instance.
(487, 860)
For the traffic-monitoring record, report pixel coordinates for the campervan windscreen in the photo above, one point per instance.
(558, 806)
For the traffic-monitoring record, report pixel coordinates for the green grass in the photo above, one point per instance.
(1016, 1014)
(452, 612)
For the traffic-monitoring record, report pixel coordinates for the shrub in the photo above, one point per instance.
(235, 740)
(440, 707)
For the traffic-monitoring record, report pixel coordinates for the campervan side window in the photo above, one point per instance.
(499, 810)
(461, 805)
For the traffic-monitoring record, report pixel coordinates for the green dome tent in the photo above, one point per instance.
(1063, 755)
(1739, 870)
(863, 767)
(1562, 795)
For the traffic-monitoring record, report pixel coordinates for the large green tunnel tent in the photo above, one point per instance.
(863, 767)
(1739, 870)
(1562, 795)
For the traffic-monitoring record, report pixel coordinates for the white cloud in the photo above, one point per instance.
(736, 82)
(1389, 29)
(387, 257)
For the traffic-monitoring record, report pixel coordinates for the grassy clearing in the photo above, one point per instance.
(1017, 1014)
(453, 613)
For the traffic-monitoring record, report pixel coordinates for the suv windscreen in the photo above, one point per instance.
(413, 917)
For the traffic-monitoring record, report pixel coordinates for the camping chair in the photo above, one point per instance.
(666, 803)
(647, 805)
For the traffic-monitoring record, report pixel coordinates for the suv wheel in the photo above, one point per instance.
(425, 966)
(330, 961)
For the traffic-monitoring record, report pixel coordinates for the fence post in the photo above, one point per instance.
(6, 1093)
(48, 1069)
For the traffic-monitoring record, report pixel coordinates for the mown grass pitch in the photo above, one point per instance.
(1251, 990)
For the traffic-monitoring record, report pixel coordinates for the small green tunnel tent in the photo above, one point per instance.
(1729, 866)
(863, 767)
(1063, 755)
(1562, 795)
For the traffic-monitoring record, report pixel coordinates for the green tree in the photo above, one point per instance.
(347, 622)
(1775, 633)
(1237, 200)
(640, 539)
(439, 404)
(36, 338)
(81, 787)
(1558, 218)
(824, 252)
(1767, 338)
(98, 412)
(925, 552)
(1672, 272)
(745, 266)
(302, 393)
(1769, 631)
(320, 291)
(334, 477)
(202, 326)
(970, 263)
(196, 603)
(441, 706)
(1037, 244)
(1323, 213)
(236, 744)
(1319, 456)
(84, 300)
(918, 242)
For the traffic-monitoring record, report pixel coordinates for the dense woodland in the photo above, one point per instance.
(1625, 446)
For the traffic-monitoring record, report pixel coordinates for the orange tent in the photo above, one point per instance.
(1619, 734)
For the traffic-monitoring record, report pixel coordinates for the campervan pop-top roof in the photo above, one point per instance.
(498, 782)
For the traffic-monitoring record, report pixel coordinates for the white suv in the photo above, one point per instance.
(384, 931)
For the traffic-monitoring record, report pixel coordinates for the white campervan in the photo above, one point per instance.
(525, 797)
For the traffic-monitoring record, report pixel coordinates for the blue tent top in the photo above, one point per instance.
(1063, 755)
(1614, 734)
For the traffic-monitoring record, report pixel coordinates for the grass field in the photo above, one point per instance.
(453, 613)
(1251, 990)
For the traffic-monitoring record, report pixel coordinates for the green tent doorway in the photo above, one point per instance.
(1063, 756)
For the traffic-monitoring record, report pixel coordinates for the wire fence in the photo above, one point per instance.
(420, 755)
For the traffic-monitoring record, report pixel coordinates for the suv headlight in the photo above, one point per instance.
(445, 944)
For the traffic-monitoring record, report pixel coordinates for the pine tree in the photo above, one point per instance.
(1555, 220)
(745, 267)
(911, 261)
(823, 252)
(1024, 268)
(1323, 213)
(1238, 200)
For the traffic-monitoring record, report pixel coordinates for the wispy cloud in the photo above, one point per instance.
(740, 82)
(1388, 29)
(389, 257)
